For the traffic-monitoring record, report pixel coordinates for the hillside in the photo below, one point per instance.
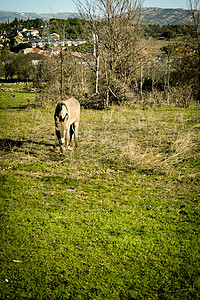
(150, 15)
(6, 15)
(160, 16)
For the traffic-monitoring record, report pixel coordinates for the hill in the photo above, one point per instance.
(6, 15)
(166, 16)
(149, 15)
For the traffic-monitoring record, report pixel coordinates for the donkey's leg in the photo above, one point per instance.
(67, 137)
(76, 134)
(71, 133)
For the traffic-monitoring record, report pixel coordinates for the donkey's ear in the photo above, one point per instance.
(66, 117)
(57, 119)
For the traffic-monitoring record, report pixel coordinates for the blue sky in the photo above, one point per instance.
(54, 6)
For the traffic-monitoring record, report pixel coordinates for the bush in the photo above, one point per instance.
(20, 47)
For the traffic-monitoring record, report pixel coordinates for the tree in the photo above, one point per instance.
(116, 31)
(20, 47)
(24, 67)
(120, 35)
(190, 64)
(168, 34)
(194, 7)
(9, 66)
(15, 22)
(169, 51)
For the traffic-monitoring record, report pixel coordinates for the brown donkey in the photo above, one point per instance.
(67, 116)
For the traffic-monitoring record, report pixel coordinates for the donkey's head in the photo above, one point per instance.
(61, 113)
(61, 116)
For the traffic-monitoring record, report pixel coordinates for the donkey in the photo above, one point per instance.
(67, 116)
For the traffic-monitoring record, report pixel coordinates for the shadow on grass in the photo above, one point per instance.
(20, 107)
(9, 144)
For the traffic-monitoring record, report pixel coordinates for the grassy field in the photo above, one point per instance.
(116, 219)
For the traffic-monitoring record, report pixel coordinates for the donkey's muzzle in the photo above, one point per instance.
(61, 141)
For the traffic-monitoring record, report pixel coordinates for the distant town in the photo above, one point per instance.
(22, 36)
(31, 32)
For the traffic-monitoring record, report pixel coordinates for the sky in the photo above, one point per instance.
(54, 6)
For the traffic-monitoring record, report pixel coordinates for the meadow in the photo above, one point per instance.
(118, 218)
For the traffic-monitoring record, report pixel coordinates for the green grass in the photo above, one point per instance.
(116, 219)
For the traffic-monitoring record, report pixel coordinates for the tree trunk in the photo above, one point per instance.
(82, 76)
(153, 81)
(61, 74)
(168, 78)
(141, 80)
(97, 75)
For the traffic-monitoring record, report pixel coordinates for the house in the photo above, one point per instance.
(18, 40)
(69, 43)
(31, 50)
(75, 43)
(54, 50)
(77, 54)
(41, 44)
(55, 36)
(30, 32)
(38, 52)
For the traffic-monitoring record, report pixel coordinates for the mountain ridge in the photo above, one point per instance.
(149, 15)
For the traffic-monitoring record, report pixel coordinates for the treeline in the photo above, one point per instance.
(17, 23)
(170, 76)
(74, 28)
(168, 31)
(118, 64)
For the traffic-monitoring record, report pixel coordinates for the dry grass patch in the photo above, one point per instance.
(156, 140)
(163, 158)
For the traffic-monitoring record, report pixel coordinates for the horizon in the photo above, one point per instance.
(40, 7)
(74, 12)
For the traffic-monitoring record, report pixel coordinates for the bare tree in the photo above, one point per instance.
(194, 8)
(119, 38)
(89, 12)
(96, 56)
(169, 51)
(115, 26)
